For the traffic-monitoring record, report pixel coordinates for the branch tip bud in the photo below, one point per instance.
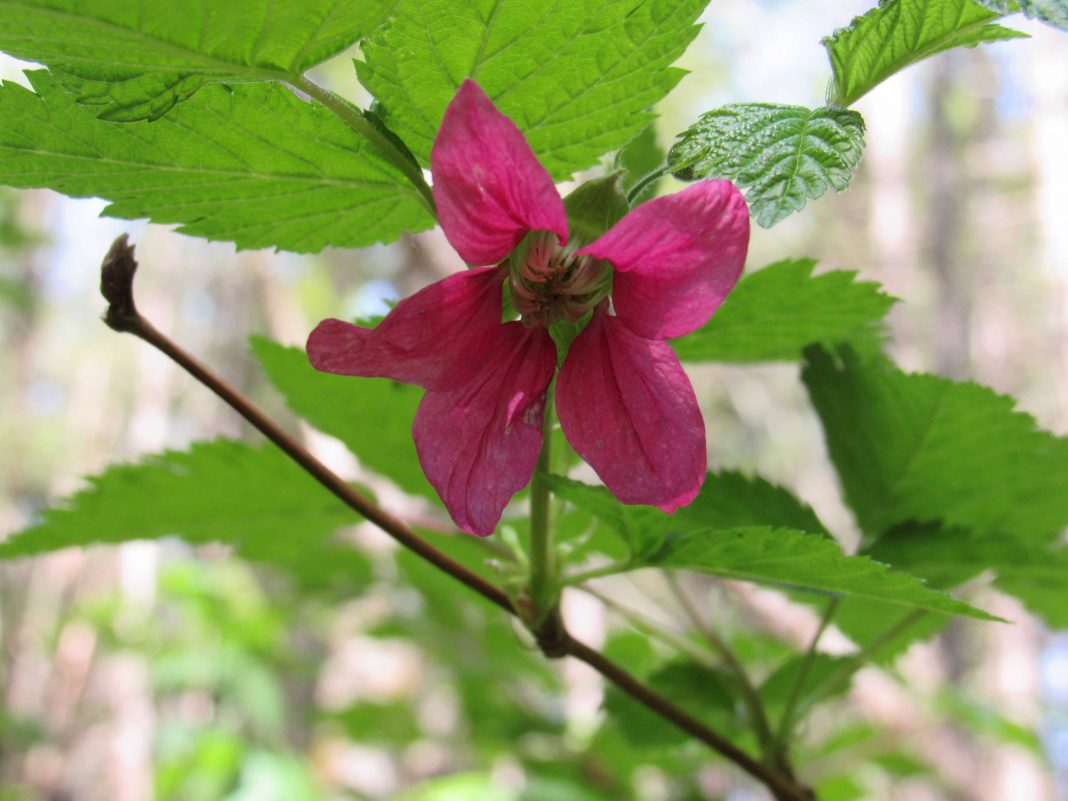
(116, 284)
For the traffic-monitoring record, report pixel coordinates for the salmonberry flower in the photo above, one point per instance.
(623, 400)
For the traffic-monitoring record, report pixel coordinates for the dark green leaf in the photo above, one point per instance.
(783, 156)
(252, 498)
(372, 416)
(917, 447)
(252, 164)
(774, 313)
(577, 78)
(136, 60)
(901, 32)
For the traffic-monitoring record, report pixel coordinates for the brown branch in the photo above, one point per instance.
(116, 285)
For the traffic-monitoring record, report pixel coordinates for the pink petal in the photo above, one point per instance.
(437, 338)
(478, 444)
(676, 258)
(629, 410)
(489, 187)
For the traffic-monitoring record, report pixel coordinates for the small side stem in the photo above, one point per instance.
(611, 569)
(789, 714)
(750, 696)
(355, 119)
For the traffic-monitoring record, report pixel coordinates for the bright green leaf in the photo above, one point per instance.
(577, 78)
(783, 156)
(901, 32)
(372, 416)
(1052, 12)
(775, 312)
(251, 498)
(916, 447)
(252, 164)
(136, 60)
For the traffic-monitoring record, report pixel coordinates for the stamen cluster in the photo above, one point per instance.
(550, 283)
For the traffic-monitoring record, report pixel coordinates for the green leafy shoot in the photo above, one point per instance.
(899, 33)
(775, 312)
(1051, 12)
(251, 164)
(920, 448)
(783, 156)
(253, 499)
(577, 78)
(722, 536)
(137, 60)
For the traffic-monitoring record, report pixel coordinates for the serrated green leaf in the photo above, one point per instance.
(783, 156)
(137, 60)
(372, 416)
(251, 498)
(913, 447)
(1051, 12)
(577, 78)
(252, 164)
(773, 313)
(898, 33)
(798, 561)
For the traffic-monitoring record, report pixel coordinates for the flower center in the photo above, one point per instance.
(550, 283)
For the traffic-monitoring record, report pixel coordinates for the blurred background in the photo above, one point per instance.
(156, 670)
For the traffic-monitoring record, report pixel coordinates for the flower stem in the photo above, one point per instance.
(543, 588)
(358, 121)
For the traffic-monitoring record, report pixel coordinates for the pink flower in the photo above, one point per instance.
(623, 400)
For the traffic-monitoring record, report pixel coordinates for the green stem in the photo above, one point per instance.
(542, 554)
(643, 183)
(862, 657)
(750, 697)
(355, 119)
(789, 714)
